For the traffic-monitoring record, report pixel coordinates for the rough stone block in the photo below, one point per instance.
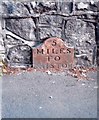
(50, 32)
(19, 56)
(22, 27)
(81, 35)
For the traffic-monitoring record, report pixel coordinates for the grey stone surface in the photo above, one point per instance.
(42, 7)
(65, 7)
(82, 6)
(2, 48)
(25, 8)
(91, 6)
(50, 32)
(11, 41)
(17, 52)
(22, 27)
(51, 20)
(79, 32)
(1, 57)
(21, 55)
(15, 9)
(36, 21)
(81, 35)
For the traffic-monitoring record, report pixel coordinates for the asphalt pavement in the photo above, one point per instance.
(0, 95)
(42, 95)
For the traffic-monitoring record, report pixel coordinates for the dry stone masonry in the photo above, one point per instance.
(29, 24)
(2, 49)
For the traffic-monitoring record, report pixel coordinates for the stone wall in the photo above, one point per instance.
(2, 49)
(28, 24)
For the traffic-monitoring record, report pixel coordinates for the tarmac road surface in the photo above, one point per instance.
(40, 95)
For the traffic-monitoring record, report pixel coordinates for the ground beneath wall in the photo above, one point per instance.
(42, 95)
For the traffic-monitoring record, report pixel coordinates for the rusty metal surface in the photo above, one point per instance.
(53, 55)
